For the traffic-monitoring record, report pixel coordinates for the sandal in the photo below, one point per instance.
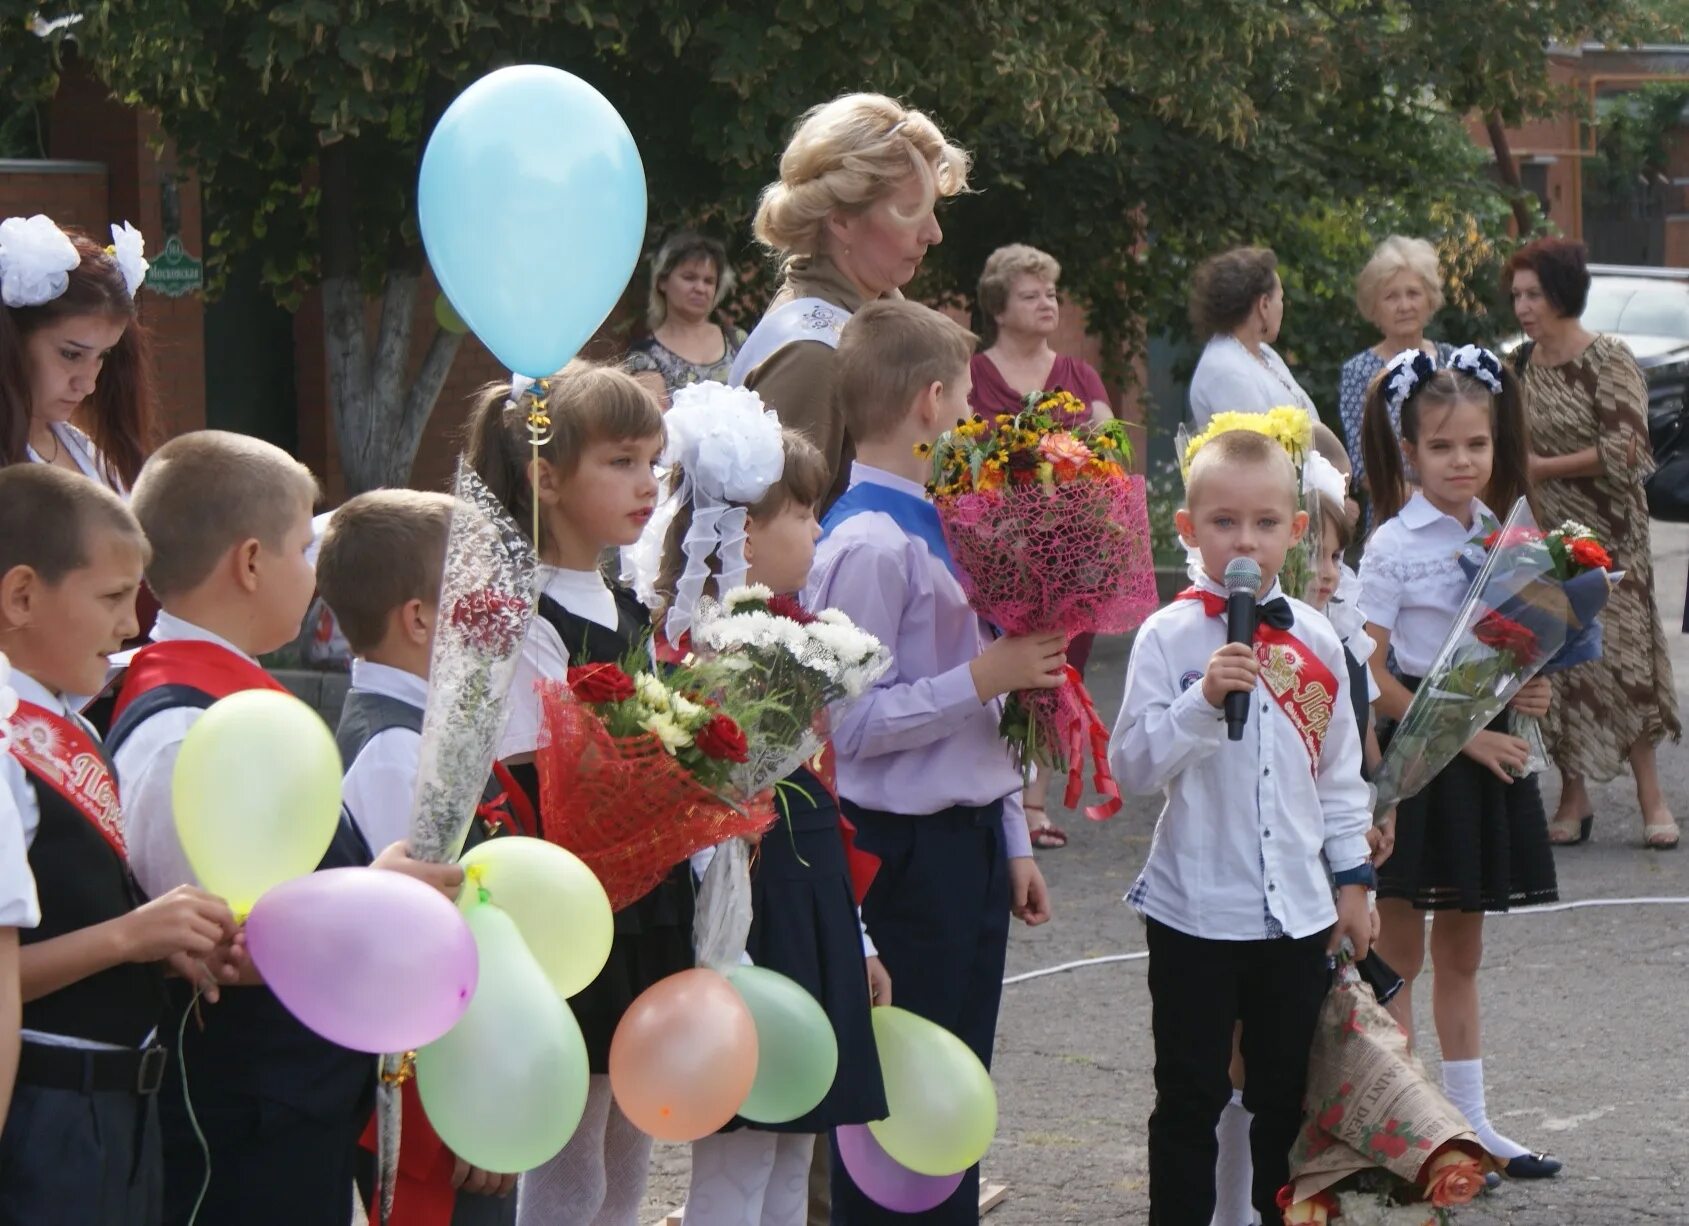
(1570, 834)
(1047, 836)
(1662, 836)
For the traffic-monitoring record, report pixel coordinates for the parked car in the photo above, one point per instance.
(1648, 309)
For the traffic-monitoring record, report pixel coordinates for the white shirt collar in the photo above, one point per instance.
(861, 473)
(1418, 513)
(30, 690)
(582, 592)
(1208, 583)
(390, 682)
(168, 628)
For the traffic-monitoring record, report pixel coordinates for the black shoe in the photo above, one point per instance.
(1584, 825)
(1533, 1166)
(1492, 1181)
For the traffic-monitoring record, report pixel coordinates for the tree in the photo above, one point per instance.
(1131, 139)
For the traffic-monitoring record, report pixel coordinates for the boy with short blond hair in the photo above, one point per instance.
(921, 750)
(1235, 892)
(81, 1141)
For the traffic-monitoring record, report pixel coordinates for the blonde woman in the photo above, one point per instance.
(1398, 292)
(851, 217)
(689, 279)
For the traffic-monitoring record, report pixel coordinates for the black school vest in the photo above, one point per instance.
(589, 643)
(366, 715)
(250, 1047)
(82, 881)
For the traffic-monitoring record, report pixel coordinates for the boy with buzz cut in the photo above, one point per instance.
(81, 1140)
(922, 772)
(229, 521)
(379, 569)
(1235, 893)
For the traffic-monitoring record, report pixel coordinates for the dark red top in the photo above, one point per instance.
(991, 394)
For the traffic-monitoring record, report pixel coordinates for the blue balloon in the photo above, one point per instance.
(532, 204)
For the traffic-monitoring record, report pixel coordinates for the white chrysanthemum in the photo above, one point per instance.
(127, 247)
(653, 693)
(690, 714)
(662, 726)
(834, 617)
(751, 593)
(36, 258)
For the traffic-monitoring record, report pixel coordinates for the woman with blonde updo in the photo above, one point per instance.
(851, 217)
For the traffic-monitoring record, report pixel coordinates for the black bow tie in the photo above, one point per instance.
(1276, 613)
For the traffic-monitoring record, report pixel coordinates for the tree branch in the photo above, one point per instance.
(1523, 215)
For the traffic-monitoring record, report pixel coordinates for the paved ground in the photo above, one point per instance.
(1583, 1019)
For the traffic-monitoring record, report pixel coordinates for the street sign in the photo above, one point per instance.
(174, 273)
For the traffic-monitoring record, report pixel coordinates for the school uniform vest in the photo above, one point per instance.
(589, 643)
(250, 1046)
(82, 881)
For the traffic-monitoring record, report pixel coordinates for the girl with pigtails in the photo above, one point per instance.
(1476, 838)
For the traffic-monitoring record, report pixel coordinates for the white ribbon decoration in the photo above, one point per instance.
(127, 247)
(36, 258)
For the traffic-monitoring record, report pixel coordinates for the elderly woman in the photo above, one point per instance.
(1398, 292)
(1237, 304)
(851, 217)
(1587, 404)
(1018, 300)
(689, 278)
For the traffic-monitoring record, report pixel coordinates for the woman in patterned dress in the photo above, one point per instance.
(1587, 404)
(689, 278)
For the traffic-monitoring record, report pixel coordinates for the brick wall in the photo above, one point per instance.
(71, 193)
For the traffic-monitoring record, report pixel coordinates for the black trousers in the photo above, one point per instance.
(938, 912)
(73, 1159)
(1198, 990)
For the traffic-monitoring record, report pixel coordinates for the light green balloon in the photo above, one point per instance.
(797, 1051)
(559, 907)
(445, 314)
(256, 792)
(506, 1086)
(943, 1107)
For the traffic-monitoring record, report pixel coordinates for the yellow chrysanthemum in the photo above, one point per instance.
(1289, 427)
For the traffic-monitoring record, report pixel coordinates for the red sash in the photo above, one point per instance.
(1296, 677)
(207, 667)
(60, 753)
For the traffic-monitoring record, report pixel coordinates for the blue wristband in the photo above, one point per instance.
(1360, 875)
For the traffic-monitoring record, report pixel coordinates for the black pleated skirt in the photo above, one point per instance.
(1470, 842)
(804, 925)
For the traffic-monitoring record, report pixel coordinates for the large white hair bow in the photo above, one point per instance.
(35, 260)
(127, 245)
(729, 448)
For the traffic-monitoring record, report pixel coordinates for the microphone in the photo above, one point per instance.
(1243, 580)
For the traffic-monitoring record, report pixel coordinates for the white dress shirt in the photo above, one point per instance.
(1230, 379)
(145, 763)
(1411, 581)
(1243, 844)
(544, 654)
(87, 457)
(380, 782)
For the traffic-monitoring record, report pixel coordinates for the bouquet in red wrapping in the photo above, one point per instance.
(634, 770)
(1048, 531)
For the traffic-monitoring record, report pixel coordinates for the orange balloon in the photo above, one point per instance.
(684, 1056)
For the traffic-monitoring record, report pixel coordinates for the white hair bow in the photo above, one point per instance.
(35, 260)
(127, 244)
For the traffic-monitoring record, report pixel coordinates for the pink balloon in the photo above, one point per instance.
(884, 1180)
(370, 959)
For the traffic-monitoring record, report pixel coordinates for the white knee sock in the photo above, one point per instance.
(730, 1172)
(1463, 1083)
(1234, 1173)
(627, 1165)
(570, 1188)
(786, 1202)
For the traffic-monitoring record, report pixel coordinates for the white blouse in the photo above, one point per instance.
(544, 654)
(1231, 379)
(88, 458)
(1411, 581)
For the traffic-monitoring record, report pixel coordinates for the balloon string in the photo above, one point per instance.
(539, 434)
(188, 1101)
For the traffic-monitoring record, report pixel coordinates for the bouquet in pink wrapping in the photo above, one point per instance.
(1048, 531)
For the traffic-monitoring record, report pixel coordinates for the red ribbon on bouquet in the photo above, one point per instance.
(1080, 724)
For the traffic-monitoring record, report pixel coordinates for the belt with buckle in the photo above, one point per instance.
(139, 1071)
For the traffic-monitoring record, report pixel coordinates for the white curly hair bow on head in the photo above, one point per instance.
(729, 448)
(35, 260)
(127, 246)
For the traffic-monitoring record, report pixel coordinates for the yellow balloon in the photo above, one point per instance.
(257, 794)
(559, 907)
(943, 1107)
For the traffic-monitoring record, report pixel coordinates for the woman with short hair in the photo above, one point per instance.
(689, 279)
(1021, 308)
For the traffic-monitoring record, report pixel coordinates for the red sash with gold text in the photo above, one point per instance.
(1295, 676)
(59, 752)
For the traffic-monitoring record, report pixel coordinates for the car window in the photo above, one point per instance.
(1640, 310)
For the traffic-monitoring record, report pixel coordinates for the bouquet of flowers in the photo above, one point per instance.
(1047, 531)
(1516, 616)
(1381, 1145)
(1584, 570)
(799, 663)
(1293, 430)
(636, 770)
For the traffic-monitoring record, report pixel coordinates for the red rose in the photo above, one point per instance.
(490, 621)
(1589, 554)
(723, 740)
(791, 610)
(1512, 537)
(600, 683)
(1503, 634)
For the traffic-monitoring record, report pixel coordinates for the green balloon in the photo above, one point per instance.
(445, 314)
(506, 1086)
(797, 1052)
(943, 1107)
